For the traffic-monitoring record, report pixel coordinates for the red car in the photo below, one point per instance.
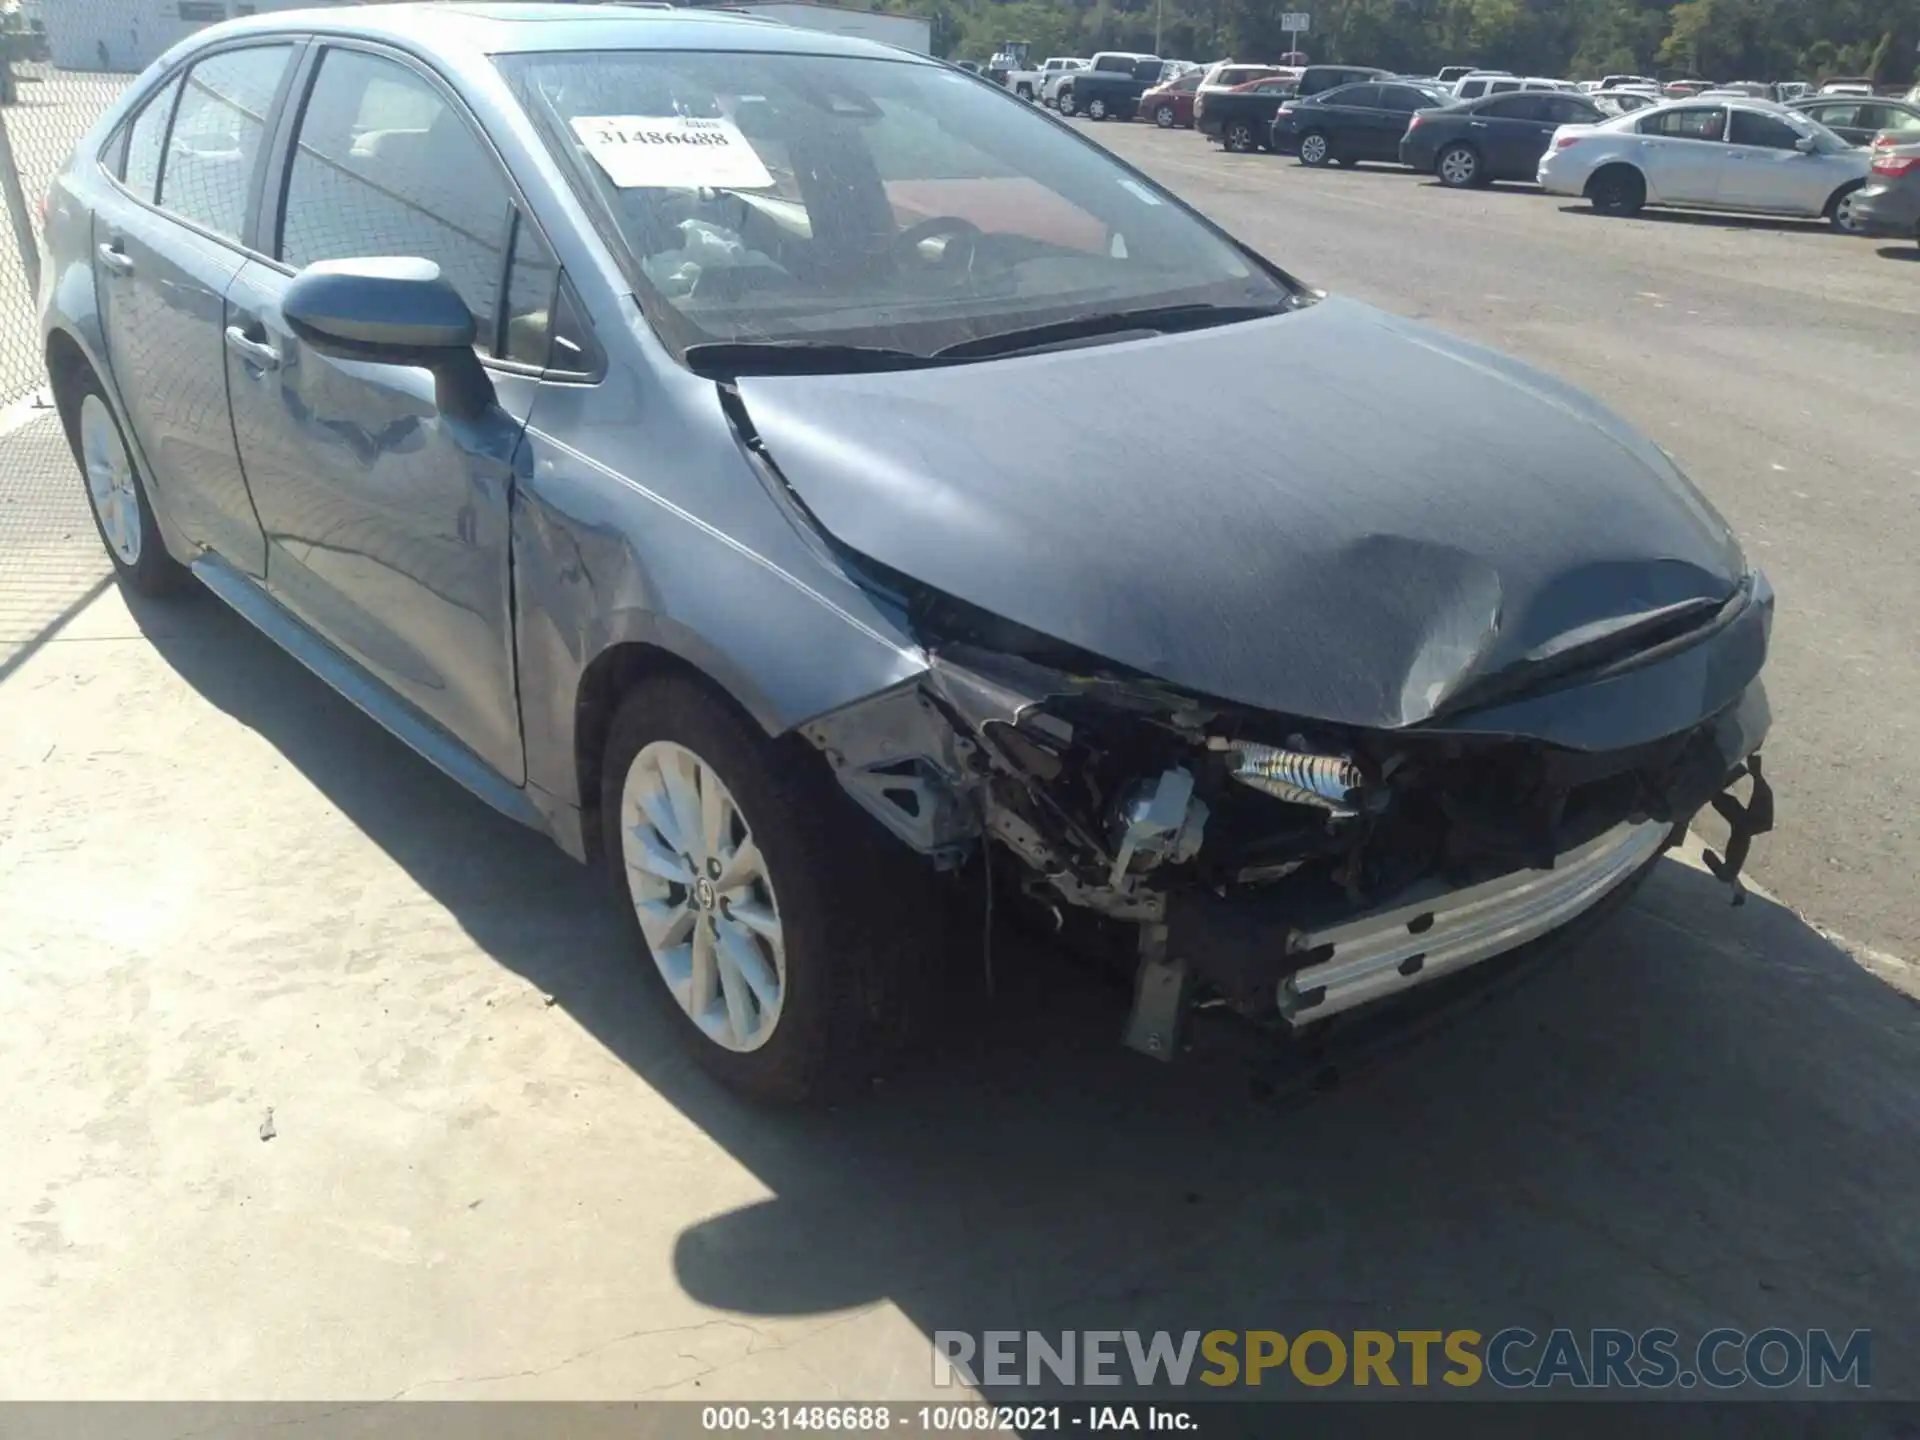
(1171, 104)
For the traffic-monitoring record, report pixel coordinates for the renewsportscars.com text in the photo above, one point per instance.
(1513, 1358)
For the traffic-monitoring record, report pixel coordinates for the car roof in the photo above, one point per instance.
(478, 28)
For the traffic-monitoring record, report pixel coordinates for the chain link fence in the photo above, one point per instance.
(62, 63)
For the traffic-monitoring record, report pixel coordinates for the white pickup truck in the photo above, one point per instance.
(1028, 84)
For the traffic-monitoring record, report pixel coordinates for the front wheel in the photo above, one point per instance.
(1096, 109)
(778, 923)
(1458, 167)
(1164, 117)
(1314, 149)
(1025, 92)
(1840, 211)
(1240, 137)
(1065, 107)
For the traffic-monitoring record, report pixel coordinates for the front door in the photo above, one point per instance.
(166, 251)
(1766, 170)
(387, 523)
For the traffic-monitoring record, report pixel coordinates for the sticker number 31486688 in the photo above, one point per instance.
(638, 151)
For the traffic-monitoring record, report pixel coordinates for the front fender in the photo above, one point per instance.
(604, 559)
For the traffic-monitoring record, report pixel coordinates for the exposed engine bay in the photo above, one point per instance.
(1287, 868)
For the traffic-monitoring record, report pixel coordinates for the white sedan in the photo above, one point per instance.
(1747, 155)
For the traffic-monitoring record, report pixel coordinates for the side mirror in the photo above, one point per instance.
(392, 312)
(1805, 144)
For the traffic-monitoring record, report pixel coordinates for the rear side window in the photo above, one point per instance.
(145, 137)
(1509, 107)
(1565, 110)
(1360, 97)
(1749, 128)
(384, 165)
(1837, 116)
(215, 142)
(1404, 97)
(1696, 124)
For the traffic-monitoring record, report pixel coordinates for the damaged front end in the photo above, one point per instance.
(1286, 868)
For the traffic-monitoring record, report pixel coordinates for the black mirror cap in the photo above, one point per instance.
(398, 311)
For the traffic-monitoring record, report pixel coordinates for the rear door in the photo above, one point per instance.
(1345, 114)
(1387, 125)
(387, 522)
(1503, 128)
(1683, 154)
(1844, 118)
(167, 247)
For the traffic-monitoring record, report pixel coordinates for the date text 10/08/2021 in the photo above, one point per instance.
(945, 1419)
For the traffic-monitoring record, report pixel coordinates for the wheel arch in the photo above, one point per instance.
(1840, 192)
(1608, 167)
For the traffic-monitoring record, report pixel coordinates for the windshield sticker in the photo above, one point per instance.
(1139, 192)
(672, 151)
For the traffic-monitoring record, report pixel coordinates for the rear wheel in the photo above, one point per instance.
(1025, 92)
(778, 923)
(1164, 117)
(1314, 149)
(1240, 138)
(1617, 190)
(1840, 213)
(117, 493)
(1065, 106)
(1096, 109)
(1458, 167)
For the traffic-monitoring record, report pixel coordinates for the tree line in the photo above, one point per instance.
(1713, 39)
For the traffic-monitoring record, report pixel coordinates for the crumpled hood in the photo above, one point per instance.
(1333, 513)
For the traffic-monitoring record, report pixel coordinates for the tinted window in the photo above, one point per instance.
(1750, 128)
(1509, 107)
(144, 138)
(1699, 123)
(217, 130)
(1361, 97)
(1565, 110)
(384, 165)
(1836, 115)
(1404, 97)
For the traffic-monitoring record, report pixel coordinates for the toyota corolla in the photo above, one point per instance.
(749, 456)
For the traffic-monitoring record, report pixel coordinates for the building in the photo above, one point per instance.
(129, 35)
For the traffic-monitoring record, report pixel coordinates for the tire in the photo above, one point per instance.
(1458, 167)
(808, 1017)
(1065, 104)
(117, 494)
(1025, 92)
(1617, 190)
(1315, 149)
(1096, 109)
(1239, 137)
(1164, 117)
(1839, 211)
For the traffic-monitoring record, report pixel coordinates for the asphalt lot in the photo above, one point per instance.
(492, 1175)
(1772, 358)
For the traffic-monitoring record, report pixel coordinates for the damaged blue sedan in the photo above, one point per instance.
(741, 453)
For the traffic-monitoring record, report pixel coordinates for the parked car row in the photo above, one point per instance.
(1726, 151)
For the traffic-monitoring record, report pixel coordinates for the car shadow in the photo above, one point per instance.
(1660, 216)
(1909, 253)
(1701, 1115)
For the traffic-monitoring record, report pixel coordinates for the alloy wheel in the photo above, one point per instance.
(1163, 117)
(1845, 218)
(1097, 109)
(703, 896)
(110, 483)
(1313, 150)
(1240, 137)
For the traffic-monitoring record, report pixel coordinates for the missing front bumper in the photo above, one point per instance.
(1427, 935)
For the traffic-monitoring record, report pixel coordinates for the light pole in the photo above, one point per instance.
(1159, 13)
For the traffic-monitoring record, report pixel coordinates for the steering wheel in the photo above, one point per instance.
(906, 245)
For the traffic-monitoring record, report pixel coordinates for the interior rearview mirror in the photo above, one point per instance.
(392, 311)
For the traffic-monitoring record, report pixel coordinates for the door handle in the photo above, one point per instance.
(256, 352)
(116, 259)
(1476, 124)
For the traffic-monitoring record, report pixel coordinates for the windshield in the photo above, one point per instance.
(856, 201)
